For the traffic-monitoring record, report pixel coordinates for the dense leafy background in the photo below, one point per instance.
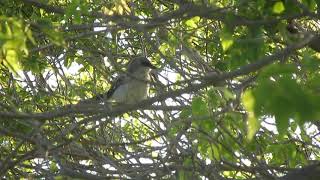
(237, 94)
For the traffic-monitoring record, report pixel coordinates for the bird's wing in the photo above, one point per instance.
(118, 82)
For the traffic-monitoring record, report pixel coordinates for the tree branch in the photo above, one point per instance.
(207, 80)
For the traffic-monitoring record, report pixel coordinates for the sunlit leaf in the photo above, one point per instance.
(30, 37)
(193, 22)
(278, 7)
(226, 39)
(248, 101)
(12, 61)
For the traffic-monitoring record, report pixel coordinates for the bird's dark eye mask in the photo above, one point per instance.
(148, 64)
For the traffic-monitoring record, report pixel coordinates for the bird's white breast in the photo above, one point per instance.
(134, 89)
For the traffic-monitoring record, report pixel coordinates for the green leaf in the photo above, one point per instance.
(203, 146)
(226, 39)
(183, 174)
(214, 153)
(311, 62)
(292, 154)
(193, 22)
(199, 107)
(311, 4)
(12, 61)
(276, 69)
(73, 12)
(187, 162)
(8, 30)
(282, 119)
(13, 44)
(228, 94)
(185, 113)
(44, 22)
(30, 37)
(55, 36)
(212, 98)
(288, 100)
(278, 7)
(248, 101)
(166, 49)
(226, 42)
(172, 40)
(33, 63)
(53, 167)
(207, 125)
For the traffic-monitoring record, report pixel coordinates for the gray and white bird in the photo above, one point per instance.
(132, 86)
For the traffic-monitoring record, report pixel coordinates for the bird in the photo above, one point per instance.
(132, 86)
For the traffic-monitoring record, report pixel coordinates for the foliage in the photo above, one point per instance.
(237, 94)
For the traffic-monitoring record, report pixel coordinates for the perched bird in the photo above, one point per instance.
(133, 85)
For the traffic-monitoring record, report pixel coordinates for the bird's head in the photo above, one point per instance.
(140, 63)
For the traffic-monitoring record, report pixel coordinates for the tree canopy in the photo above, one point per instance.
(236, 93)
